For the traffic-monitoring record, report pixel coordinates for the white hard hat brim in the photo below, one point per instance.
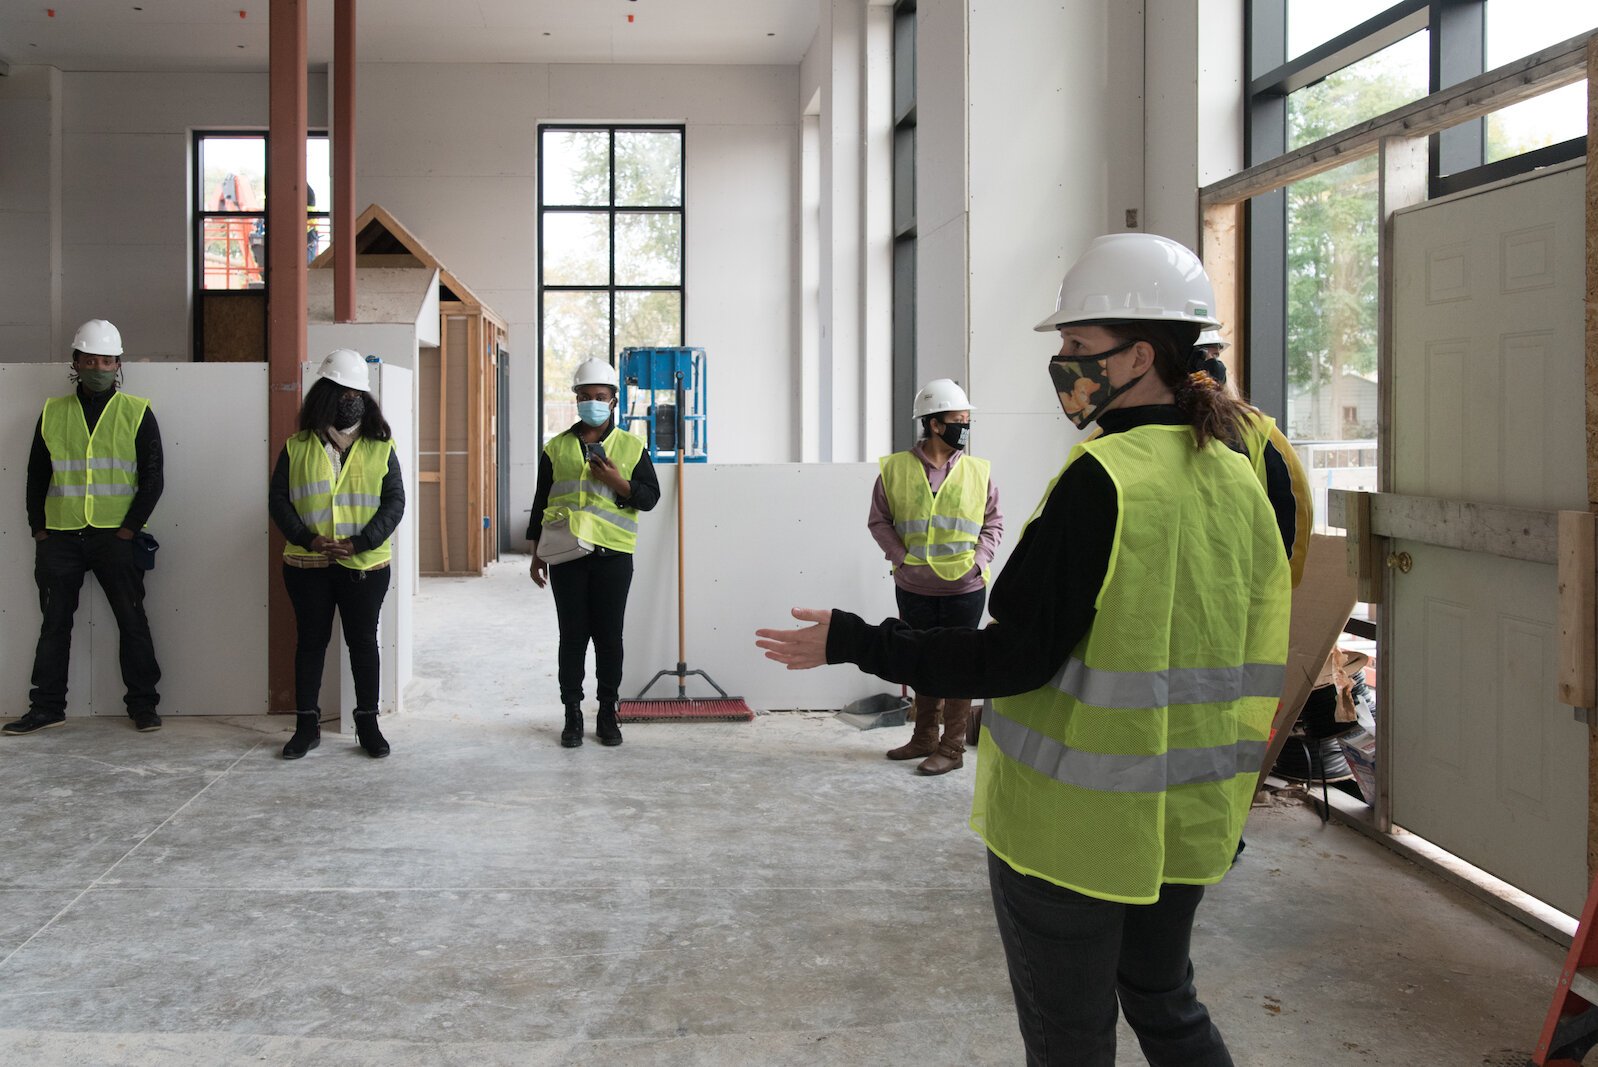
(1086, 318)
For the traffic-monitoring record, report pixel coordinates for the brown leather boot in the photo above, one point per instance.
(924, 741)
(950, 755)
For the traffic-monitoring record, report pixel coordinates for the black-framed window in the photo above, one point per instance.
(229, 237)
(904, 221)
(611, 262)
(1313, 71)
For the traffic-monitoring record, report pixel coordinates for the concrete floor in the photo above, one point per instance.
(771, 893)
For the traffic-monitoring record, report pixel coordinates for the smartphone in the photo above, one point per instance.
(593, 450)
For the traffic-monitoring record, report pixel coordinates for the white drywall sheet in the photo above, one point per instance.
(760, 539)
(206, 598)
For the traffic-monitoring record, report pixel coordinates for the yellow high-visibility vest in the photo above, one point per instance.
(939, 530)
(588, 502)
(1258, 431)
(1135, 765)
(338, 508)
(93, 476)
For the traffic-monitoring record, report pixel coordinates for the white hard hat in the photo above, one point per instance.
(594, 372)
(1211, 339)
(97, 337)
(1124, 277)
(938, 395)
(346, 367)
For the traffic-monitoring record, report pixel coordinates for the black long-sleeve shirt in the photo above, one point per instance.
(148, 459)
(379, 528)
(1042, 602)
(643, 488)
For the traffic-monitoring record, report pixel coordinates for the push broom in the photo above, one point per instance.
(682, 707)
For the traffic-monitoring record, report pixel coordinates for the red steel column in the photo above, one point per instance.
(344, 160)
(285, 309)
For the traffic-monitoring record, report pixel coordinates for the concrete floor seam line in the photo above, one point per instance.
(180, 810)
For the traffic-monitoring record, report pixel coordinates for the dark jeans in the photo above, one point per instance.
(59, 563)
(590, 605)
(1070, 955)
(358, 596)
(921, 612)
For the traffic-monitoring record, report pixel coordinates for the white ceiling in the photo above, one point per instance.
(211, 35)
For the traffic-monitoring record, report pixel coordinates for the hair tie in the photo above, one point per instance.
(1203, 382)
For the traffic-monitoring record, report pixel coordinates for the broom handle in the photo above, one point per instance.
(682, 615)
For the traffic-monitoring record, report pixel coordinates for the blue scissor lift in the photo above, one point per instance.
(679, 373)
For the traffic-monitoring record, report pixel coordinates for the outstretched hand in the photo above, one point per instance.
(799, 649)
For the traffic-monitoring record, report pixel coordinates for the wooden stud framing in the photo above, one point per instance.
(1592, 404)
(443, 441)
(1221, 249)
(474, 415)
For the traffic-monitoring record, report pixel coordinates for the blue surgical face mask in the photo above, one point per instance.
(594, 412)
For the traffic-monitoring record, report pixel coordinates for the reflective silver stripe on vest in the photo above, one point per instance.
(1178, 685)
(592, 488)
(91, 490)
(69, 464)
(356, 500)
(621, 522)
(320, 515)
(1108, 773)
(954, 522)
(938, 522)
(105, 463)
(300, 492)
(348, 529)
(953, 548)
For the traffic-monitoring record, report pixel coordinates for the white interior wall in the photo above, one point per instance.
(206, 598)
(30, 213)
(812, 558)
(451, 150)
(1047, 175)
(1194, 111)
(126, 187)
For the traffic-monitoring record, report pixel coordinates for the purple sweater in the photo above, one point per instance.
(922, 579)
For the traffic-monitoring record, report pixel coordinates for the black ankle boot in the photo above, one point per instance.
(307, 734)
(370, 737)
(572, 735)
(607, 729)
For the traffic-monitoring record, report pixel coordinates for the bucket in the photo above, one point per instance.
(883, 709)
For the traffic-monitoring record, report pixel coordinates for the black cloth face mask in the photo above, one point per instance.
(956, 434)
(350, 410)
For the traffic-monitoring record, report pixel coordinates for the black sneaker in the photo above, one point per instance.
(35, 720)
(145, 720)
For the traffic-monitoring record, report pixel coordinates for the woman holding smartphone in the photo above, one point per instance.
(593, 479)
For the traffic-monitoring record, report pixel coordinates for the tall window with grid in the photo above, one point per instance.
(610, 250)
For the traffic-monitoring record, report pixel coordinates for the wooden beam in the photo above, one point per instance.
(286, 285)
(1557, 65)
(343, 206)
(1367, 551)
(1513, 533)
(1578, 609)
(1221, 244)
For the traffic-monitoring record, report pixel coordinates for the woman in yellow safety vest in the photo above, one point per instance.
(1275, 462)
(337, 496)
(594, 479)
(1137, 651)
(935, 514)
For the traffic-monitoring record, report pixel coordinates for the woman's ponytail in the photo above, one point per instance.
(1199, 383)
